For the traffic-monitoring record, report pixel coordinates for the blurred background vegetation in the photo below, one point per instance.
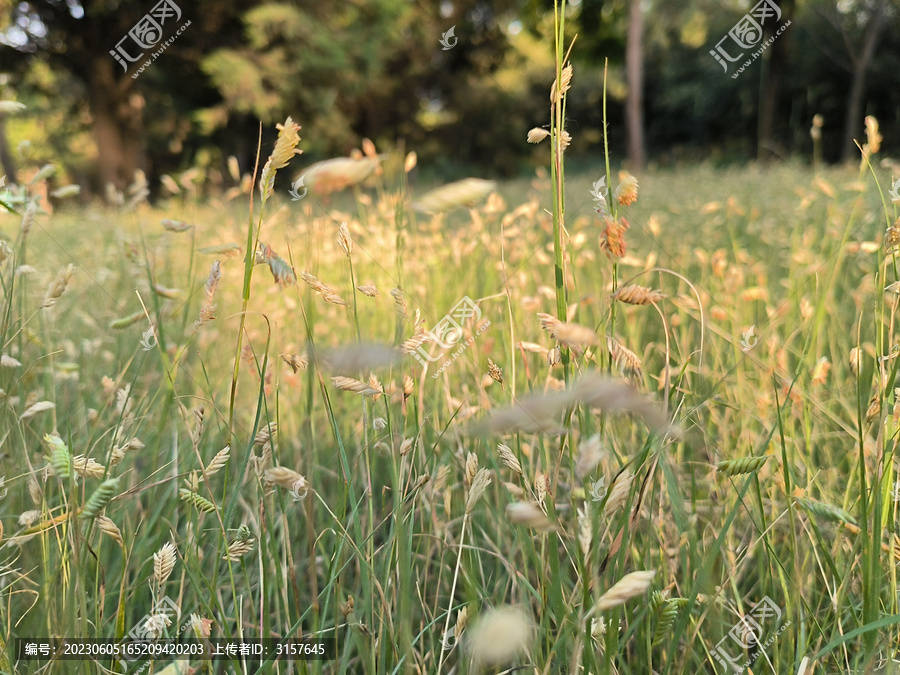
(376, 69)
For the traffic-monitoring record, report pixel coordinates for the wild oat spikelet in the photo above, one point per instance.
(59, 458)
(619, 492)
(208, 311)
(28, 217)
(590, 452)
(873, 138)
(874, 409)
(462, 620)
(556, 90)
(554, 356)
(125, 322)
(530, 515)
(351, 384)
(265, 434)
(855, 361)
(471, 467)
(499, 635)
(409, 386)
(669, 609)
(26, 518)
(399, 302)
(239, 547)
(328, 294)
(58, 287)
(177, 226)
(892, 235)
(87, 467)
(5, 252)
(626, 192)
(479, 484)
(827, 511)
(202, 504)
(463, 192)
(219, 461)
(368, 289)
(110, 529)
(565, 140)
(820, 371)
(537, 134)
(337, 173)
(285, 149)
(201, 627)
(281, 270)
(585, 529)
(495, 372)
(283, 477)
(296, 362)
(101, 497)
(629, 586)
(737, 467)
(35, 408)
(627, 362)
(163, 563)
(344, 239)
(549, 323)
(612, 239)
(509, 458)
(410, 163)
(412, 345)
(637, 295)
(575, 335)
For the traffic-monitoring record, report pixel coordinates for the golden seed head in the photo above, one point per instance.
(471, 467)
(626, 192)
(495, 372)
(509, 458)
(537, 134)
(499, 635)
(163, 563)
(479, 484)
(629, 586)
(344, 239)
(531, 515)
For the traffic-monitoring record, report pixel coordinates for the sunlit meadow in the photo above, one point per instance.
(674, 401)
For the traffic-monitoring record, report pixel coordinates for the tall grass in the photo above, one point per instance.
(362, 500)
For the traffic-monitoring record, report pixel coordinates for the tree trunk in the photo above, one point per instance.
(117, 124)
(6, 160)
(853, 113)
(771, 85)
(634, 73)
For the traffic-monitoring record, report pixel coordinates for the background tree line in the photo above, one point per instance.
(376, 69)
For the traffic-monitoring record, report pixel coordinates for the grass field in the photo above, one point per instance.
(375, 509)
